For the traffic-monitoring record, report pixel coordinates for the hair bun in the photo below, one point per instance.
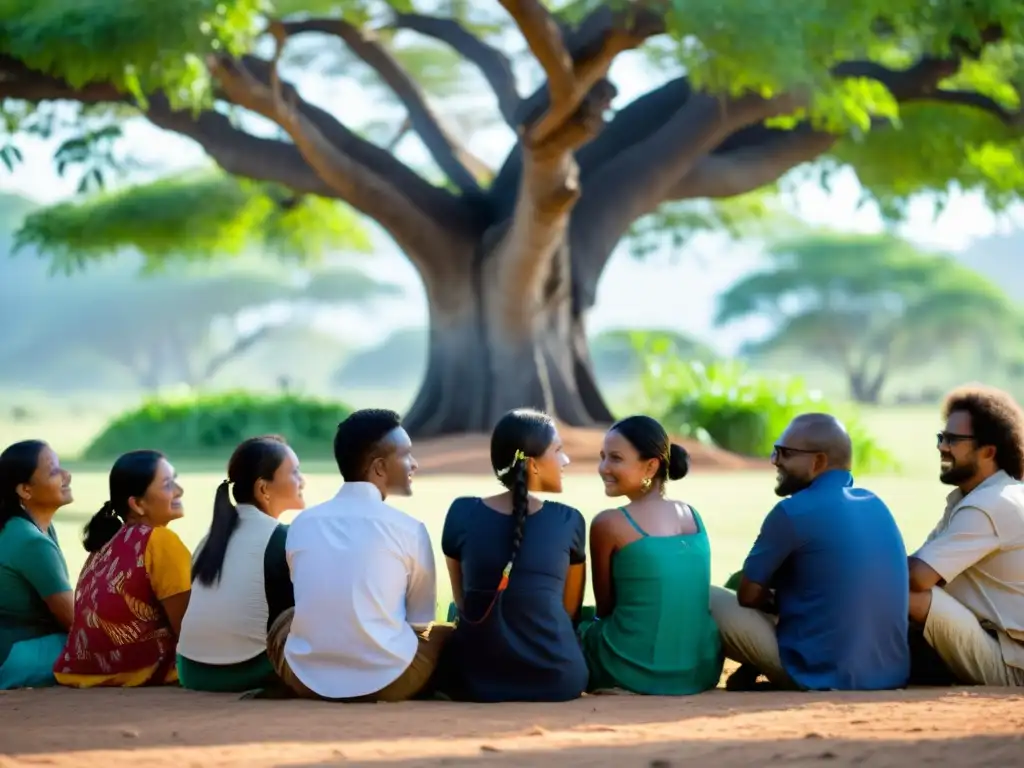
(678, 462)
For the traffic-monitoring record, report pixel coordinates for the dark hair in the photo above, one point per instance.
(130, 477)
(257, 458)
(18, 463)
(357, 441)
(651, 441)
(996, 420)
(519, 435)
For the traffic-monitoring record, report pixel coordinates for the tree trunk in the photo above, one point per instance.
(484, 361)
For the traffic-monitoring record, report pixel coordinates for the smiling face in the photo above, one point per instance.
(621, 468)
(162, 501)
(49, 488)
(544, 473)
(394, 471)
(796, 462)
(283, 492)
(958, 453)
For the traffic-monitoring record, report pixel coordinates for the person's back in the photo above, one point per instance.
(525, 648)
(842, 595)
(351, 560)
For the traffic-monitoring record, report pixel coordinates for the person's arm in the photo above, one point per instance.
(576, 577)
(42, 565)
(169, 567)
(421, 593)
(775, 542)
(452, 537)
(970, 537)
(277, 577)
(602, 548)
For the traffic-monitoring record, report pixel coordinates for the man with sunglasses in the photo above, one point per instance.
(830, 563)
(967, 580)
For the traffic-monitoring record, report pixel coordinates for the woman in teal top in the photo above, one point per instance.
(651, 560)
(36, 598)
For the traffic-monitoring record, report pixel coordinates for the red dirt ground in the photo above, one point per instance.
(164, 728)
(470, 454)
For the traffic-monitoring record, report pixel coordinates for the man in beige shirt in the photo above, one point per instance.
(967, 580)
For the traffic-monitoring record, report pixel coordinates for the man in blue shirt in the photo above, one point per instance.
(831, 563)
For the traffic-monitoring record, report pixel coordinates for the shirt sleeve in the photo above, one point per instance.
(277, 578)
(454, 532)
(421, 594)
(40, 561)
(775, 542)
(969, 537)
(578, 546)
(168, 564)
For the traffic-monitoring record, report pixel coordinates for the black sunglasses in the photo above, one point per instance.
(951, 438)
(784, 452)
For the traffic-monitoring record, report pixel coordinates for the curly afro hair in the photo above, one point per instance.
(996, 419)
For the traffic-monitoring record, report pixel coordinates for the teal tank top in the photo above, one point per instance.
(660, 638)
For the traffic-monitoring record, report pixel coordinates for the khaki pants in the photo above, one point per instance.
(748, 636)
(970, 652)
(413, 681)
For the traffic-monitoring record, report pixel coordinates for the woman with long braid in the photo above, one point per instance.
(518, 569)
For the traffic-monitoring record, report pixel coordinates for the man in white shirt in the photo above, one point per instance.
(365, 584)
(967, 580)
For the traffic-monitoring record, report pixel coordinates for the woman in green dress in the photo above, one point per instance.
(651, 561)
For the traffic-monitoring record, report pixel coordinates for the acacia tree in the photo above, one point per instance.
(869, 305)
(510, 266)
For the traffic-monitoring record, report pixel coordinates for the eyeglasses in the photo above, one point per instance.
(784, 452)
(951, 438)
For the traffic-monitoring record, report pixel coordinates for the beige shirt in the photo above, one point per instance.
(978, 550)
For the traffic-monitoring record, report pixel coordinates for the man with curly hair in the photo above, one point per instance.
(967, 580)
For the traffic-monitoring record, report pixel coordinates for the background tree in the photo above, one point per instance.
(869, 305)
(510, 255)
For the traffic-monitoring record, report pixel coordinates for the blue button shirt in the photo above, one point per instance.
(837, 561)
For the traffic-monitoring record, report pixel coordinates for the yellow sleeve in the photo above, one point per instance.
(168, 564)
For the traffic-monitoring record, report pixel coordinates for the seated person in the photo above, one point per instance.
(36, 600)
(651, 562)
(365, 586)
(830, 561)
(518, 567)
(967, 580)
(240, 578)
(134, 588)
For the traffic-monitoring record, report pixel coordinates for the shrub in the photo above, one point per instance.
(726, 404)
(210, 426)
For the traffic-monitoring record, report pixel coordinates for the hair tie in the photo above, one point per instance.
(108, 509)
(519, 456)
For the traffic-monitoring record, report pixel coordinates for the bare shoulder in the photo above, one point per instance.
(606, 518)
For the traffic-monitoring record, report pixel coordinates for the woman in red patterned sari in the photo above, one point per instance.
(135, 586)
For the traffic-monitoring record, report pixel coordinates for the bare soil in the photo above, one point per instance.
(470, 454)
(170, 727)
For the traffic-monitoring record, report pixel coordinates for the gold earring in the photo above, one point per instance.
(645, 486)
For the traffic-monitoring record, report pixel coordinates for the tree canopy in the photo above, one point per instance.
(868, 304)
(917, 97)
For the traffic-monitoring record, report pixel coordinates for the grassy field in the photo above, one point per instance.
(732, 504)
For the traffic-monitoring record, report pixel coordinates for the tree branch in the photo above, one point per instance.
(492, 63)
(447, 151)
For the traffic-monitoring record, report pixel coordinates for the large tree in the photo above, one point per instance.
(870, 305)
(917, 95)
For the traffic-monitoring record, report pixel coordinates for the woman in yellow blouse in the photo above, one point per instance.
(135, 586)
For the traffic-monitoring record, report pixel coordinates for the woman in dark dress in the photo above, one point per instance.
(518, 570)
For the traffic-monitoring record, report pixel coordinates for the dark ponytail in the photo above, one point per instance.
(210, 559)
(18, 463)
(257, 458)
(520, 507)
(130, 478)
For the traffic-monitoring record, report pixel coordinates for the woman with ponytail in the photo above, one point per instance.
(518, 568)
(36, 599)
(651, 564)
(134, 588)
(241, 582)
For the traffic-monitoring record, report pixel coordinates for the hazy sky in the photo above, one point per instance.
(666, 290)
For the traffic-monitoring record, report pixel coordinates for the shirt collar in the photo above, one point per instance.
(249, 512)
(833, 478)
(360, 491)
(999, 478)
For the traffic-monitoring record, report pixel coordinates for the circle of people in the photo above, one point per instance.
(340, 605)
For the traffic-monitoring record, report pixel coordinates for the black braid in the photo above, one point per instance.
(520, 506)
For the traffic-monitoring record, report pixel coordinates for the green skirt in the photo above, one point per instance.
(226, 678)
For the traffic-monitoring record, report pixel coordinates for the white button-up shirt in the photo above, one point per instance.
(363, 572)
